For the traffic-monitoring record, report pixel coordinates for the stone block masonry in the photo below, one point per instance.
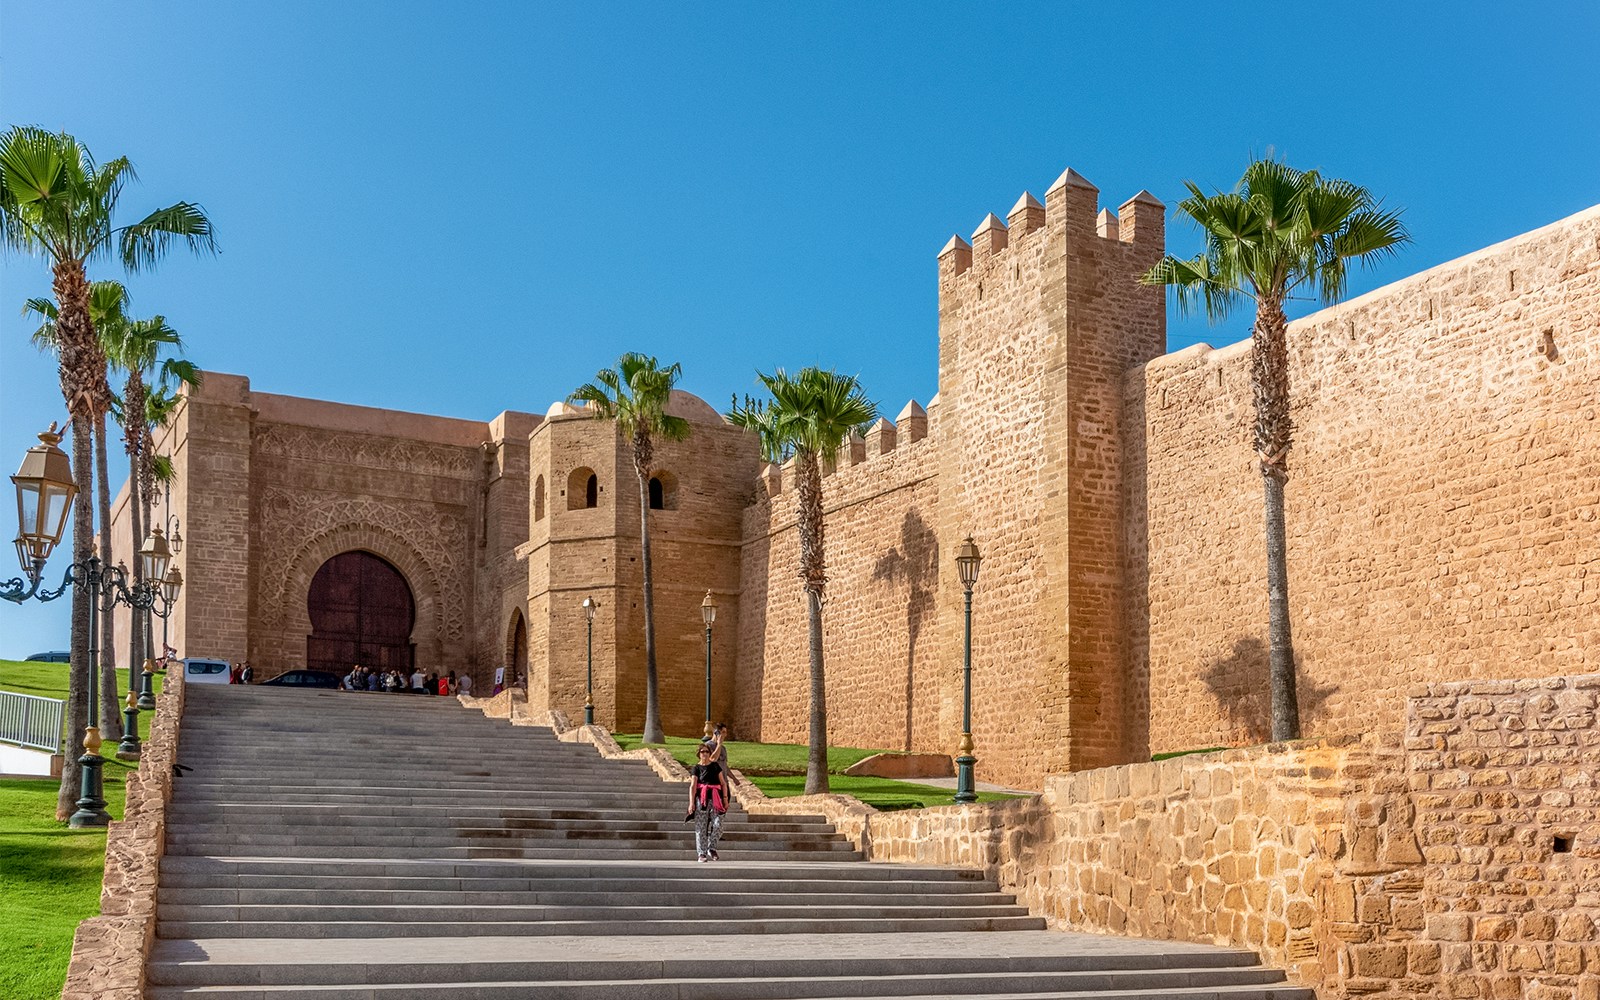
(1458, 857)
(1443, 500)
(1443, 508)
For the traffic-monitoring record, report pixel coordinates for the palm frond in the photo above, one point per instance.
(147, 241)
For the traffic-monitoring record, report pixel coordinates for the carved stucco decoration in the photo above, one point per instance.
(300, 532)
(366, 451)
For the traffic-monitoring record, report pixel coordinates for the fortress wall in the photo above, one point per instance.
(572, 554)
(1038, 320)
(501, 580)
(879, 639)
(1443, 501)
(694, 547)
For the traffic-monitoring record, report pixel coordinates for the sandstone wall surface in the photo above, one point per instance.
(1442, 504)
(575, 552)
(885, 688)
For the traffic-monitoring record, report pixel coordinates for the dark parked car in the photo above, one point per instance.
(55, 656)
(306, 678)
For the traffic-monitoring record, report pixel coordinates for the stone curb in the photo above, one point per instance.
(109, 951)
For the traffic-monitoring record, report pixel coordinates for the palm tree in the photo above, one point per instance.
(136, 349)
(1280, 230)
(808, 417)
(107, 301)
(634, 395)
(57, 202)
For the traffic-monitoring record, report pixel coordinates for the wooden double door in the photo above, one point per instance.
(362, 613)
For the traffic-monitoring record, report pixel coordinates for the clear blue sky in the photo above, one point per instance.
(469, 207)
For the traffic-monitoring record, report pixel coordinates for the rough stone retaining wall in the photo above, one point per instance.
(109, 951)
(1460, 859)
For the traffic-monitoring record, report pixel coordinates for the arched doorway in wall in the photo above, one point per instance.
(517, 648)
(361, 612)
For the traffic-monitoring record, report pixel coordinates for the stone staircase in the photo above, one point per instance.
(395, 847)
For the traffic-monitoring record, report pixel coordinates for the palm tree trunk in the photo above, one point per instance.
(137, 620)
(79, 355)
(78, 680)
(110, 716)
(813, 573)
(652, 700)
(1269, 380)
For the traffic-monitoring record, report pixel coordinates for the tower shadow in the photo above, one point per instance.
(915, 563)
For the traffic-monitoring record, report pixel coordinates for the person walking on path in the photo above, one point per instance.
(464, 685)
(708, 800)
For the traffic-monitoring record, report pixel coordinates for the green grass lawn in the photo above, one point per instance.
(779, 769)
(49, 874)
(49, 680)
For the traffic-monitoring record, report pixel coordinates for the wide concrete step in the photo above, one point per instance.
(688, 879)
(733, 825)
(510, 781)
(260, 813)
(173, 963)
(1173, 985)
(587, 896)
(605, 927)
(476, 911)
(203, 794)
(664, 852)
(314, 833)
(568, 867)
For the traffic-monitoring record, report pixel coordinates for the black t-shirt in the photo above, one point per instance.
(707, 774)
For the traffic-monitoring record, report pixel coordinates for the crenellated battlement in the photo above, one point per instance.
(1068, 215)
(863, 455)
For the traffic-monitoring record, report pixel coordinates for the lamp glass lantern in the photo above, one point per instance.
(171, 584)
(967, 562)
(45, 489)
(176, 541)
(708, 609)
(154, 556)
(590, 606)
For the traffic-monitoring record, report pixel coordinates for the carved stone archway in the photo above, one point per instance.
(428, 634)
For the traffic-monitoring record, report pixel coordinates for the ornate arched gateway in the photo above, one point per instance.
(362, 612)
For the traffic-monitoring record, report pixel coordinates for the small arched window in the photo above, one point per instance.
(538, 499)
(583, 489)
(663, 491)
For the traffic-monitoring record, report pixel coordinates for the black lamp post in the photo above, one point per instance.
(590, 606)
(45, 488)
(170, 585)
(174, 537)
(708, 612)
(967, 560)
(154, 558)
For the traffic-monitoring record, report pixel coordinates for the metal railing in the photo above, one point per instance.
(31, 721)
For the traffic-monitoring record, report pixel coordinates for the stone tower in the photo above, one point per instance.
(1040, 318)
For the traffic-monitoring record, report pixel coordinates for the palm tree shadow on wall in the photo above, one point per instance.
(1241, 686)
(914, 562)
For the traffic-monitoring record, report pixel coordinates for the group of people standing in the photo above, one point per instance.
(242, 673)
(396, 682)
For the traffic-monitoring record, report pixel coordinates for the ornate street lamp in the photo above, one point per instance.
(171, 584)
(590, 606)
(45, 489)
(708, 613)
(967, 560)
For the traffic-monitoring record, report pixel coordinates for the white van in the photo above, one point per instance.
(200, 671)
